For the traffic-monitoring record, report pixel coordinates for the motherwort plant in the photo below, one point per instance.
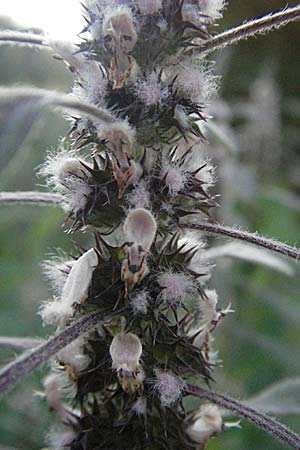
(134, 315)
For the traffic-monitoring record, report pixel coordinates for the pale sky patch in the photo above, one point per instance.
(61, 18)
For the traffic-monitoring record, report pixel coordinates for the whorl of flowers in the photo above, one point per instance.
(147, 158)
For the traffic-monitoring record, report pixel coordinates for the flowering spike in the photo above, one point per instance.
(140, 96)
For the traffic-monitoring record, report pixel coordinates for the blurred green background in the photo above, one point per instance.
(259, 181)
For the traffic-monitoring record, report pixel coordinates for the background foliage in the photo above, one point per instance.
(259, 181)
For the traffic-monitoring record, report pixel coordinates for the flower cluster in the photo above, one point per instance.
(138, 175)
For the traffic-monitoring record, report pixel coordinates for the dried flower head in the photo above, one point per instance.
(139, 197)
(151, 90)
(174, 177)
(168, 387)
(174, 286)
(197, 82)
(140, 406)
(68, 176)
(139, 302)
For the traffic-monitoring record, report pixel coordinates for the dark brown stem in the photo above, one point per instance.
(260, 419)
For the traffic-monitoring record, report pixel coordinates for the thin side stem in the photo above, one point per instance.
(26, 363)
(19, 343)
(251, 28)
(278, 430)
(8, 37)
(253, 238)
(37, 198)
(11, 95)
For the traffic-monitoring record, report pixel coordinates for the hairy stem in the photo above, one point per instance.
(26, 363)
(260, 419)
(19, 343)
(44, 97)
(249, 29)
(253, 238)
(39, 198)
(20, 38)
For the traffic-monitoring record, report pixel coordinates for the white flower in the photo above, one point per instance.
(139, 232)
(168, 387)
(207, 422)
(125, 351)
(75, 291)
(73, 356)
(92, 85)
(79, 279)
